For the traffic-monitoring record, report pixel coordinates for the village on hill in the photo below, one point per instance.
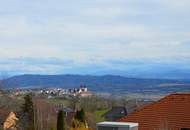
(82, 110)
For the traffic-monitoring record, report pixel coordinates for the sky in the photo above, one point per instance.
(93, 36)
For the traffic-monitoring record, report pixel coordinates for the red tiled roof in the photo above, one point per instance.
(169, 113)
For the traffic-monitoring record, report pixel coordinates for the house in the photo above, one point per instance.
(170, 113)
(69, 114)
(67, 110)
(115, 113)
(116, 126)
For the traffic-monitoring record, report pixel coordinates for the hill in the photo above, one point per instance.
(106, 83)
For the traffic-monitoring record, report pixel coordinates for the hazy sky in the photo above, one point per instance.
(55, 36)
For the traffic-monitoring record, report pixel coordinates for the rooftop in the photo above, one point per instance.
(117, 124)
(172, 112)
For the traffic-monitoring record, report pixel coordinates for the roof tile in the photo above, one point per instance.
(171, 112)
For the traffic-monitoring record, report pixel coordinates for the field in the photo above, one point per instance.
(99, 114)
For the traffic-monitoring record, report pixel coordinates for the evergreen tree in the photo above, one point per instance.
(28, 112)
(60, 120)
(80, 115)
(77, 115)
(79, 121)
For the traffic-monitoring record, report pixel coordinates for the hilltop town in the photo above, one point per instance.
(82, 91)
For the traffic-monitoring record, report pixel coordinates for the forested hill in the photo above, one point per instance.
(106, 83)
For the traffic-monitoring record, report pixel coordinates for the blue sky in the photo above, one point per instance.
(61, 36)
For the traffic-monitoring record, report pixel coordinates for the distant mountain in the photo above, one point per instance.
(141, 68)
(106, 83)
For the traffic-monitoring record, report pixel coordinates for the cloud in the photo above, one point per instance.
(21, 65)
(176, 5)
(92, 32)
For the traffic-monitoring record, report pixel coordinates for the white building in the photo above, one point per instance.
(117, 126)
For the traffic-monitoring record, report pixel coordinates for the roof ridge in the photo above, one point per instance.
(187, 93)
(171, 95)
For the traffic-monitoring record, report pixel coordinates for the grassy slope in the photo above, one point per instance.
(99, 114)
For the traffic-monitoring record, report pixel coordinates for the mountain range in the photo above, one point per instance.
(105, 83)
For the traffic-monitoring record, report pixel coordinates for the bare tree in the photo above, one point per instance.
(44, 115)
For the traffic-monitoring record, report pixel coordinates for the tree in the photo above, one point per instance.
(80, 115)
(77, 125)
(60, 120)
(28, 112)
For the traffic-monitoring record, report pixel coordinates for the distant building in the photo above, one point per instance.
(169, 113)
(115, 113)
(84, 89)
(85, 94)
